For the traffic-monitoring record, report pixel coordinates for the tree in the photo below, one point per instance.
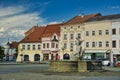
(2, 52)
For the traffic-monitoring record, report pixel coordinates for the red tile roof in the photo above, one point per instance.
(107, 17)
(81, 19)
(51, 29)
(35, 36)
(14, 44)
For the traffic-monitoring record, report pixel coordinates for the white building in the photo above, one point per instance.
(10, 51)
(115, 56)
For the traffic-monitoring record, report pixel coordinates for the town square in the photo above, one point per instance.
(60, 40)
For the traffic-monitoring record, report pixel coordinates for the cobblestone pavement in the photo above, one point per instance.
(40, 72)
(110, 68)
(40, 76)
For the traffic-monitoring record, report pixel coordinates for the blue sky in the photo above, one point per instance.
(17, 16)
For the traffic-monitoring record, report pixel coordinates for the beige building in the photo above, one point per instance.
(40, 44)
(72, 32)
(97, 39)
(29, 49)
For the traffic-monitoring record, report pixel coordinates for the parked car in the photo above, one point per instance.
(118, 64)
(105, 62)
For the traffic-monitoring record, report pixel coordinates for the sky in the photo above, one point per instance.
(18, 16)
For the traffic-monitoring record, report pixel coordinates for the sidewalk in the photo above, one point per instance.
(110, 68)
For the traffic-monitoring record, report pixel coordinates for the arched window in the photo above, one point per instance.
(36, 57)
(26, 57)
(66, 56)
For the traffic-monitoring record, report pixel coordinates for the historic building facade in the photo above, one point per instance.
(30, 48)
(50, 42)
(97, 39)
(40, 44)
(92, 36)
(72, 36)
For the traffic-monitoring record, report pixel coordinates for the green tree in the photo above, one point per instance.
(2, 52)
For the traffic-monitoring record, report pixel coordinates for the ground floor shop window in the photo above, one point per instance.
(93, 56)
(45, 56)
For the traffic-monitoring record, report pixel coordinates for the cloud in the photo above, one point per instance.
(10, 11)
(54, 22)
(2, 29)
(14, 22)
(115, 7)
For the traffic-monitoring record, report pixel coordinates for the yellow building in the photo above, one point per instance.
(97, 39)
(71, 33)
(30, 48)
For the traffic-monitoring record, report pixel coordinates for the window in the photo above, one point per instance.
(78, 26)
(64, 27)
(65, 36)
(79, 36)
(107, 32)
(33, 47)
(87, 44)
(87, 33)
(71, 45)
(28, 47)
(71, 27)
(65, 46)
(54, 38)
(71, 36)
(53, 45)
(23, 47)
(107, 44)
(47, 45)
(93, 33)
(114, 44)
(113, 31)
(56, 45)
(44, 45)
(38, 47)
(93, 44)
(100, 32)
(100, 44)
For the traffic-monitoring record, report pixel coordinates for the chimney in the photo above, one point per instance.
(82, 15)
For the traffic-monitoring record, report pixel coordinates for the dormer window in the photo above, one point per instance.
(54, 38)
